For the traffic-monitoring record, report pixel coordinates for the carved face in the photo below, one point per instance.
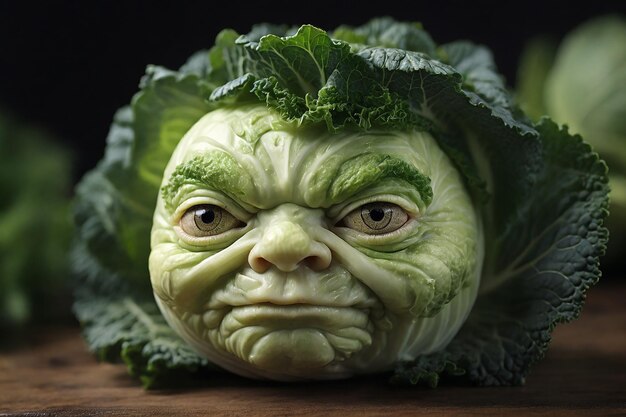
(294, 253)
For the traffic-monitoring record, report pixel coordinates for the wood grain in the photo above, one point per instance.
(583, 374)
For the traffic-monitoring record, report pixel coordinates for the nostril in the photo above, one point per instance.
(316, 263)
(259, 264)
(320, 258)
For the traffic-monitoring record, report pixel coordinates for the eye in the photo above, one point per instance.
(208, 220)
(376, 218)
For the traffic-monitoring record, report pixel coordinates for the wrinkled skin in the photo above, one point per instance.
(292, 285)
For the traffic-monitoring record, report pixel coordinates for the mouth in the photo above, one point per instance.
(296, 316)
(300, 336)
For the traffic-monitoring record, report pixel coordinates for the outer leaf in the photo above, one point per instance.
(136, 332)
(426, 371)
(234, 88)
(302, 63)
(226, 60)
(388, 33)
(481, 78)
(262, 29)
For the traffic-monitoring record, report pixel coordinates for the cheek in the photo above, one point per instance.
(184, 278)
(160, 267)
(170, 266)
(434, 269)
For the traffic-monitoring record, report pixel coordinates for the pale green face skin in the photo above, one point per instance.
(293, 285)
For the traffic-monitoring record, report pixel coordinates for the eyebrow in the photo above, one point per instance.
(367, 169)
(215, 170)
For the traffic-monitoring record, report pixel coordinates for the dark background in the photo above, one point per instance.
(67, 66)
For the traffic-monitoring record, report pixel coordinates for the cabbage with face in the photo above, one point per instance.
(296, 204)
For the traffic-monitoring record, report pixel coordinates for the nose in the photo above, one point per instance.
(286, 245)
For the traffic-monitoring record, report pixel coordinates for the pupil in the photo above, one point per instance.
(377, 214)
(208, 216)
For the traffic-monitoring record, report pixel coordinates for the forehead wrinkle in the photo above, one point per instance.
(332, 146)
(239, 149)
(308, 151)
(278, 151)
(394, 143)
(388, 143)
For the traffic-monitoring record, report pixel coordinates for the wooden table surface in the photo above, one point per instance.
(584, 373)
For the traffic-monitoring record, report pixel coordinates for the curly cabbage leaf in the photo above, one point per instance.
(137, 333)
(542, 191)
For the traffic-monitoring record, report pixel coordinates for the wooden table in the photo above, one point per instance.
(584, 373)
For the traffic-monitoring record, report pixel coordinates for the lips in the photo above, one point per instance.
(297, 316)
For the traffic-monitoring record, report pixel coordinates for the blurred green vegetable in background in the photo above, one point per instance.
(581, 82)
(35, 186)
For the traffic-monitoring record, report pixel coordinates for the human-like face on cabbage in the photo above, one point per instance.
(294, 253)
